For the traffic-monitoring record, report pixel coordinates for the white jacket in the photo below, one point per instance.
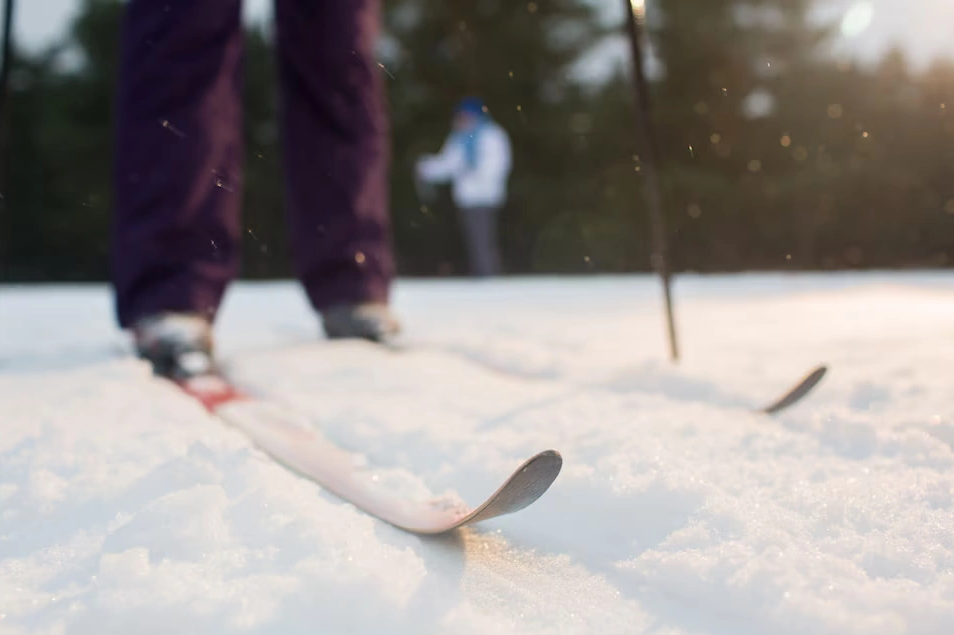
(482, 186)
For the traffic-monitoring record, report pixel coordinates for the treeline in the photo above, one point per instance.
(773, 155)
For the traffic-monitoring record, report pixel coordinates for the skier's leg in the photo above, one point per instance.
(491, 240)
(479, 225)
(335, 138)
(178, 157)
(466, 222)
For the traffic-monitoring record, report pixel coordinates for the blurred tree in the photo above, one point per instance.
(774, 156)
(266, 245)
(58, 194)
(725, 105)
(24, 231)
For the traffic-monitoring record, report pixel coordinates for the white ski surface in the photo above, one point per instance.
(309, 453)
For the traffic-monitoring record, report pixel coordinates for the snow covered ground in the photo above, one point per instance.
(124, 508)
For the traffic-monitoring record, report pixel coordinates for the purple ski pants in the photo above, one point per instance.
(179, 154)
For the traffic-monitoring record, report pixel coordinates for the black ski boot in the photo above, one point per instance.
(371, 321)
(178, 345)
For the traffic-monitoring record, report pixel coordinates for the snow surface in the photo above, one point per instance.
(124, 508)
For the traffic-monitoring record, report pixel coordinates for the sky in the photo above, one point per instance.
(922, 27)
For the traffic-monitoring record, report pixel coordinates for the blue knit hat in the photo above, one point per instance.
(471, 105)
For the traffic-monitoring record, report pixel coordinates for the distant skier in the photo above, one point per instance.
(477, 158)
(178, 170)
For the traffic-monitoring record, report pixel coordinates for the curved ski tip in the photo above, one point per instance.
(545, 467)
(549, 458)
(797, 392)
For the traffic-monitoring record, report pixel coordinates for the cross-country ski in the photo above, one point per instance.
(284, 435)
(343, 473)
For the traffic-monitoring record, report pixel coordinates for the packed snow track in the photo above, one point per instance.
(680, 509)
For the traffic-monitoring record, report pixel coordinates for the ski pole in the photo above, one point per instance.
(647, 165)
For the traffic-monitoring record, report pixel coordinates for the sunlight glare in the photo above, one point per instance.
(857, 19)
(639, 8)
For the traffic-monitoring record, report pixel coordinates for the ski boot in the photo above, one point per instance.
(179, 346)
(371, 321)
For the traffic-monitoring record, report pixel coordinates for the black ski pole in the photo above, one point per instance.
(647, 153)
(5, 65)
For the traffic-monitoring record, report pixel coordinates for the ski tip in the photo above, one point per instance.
(550, 459)
(801, 389)
(523, 488)
(816, 375)
(528, 483)
(541, 470)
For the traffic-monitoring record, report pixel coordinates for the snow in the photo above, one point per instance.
(124, 508)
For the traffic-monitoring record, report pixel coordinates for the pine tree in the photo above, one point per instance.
(724, 122)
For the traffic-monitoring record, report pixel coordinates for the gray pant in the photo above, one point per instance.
(479, 225)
